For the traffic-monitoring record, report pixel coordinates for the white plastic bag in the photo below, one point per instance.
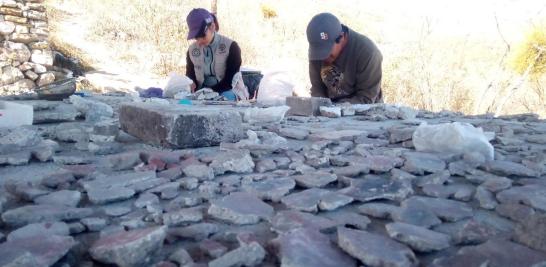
(238, 87)
(265, 115)
(176, 84)
(453, 137)
(274, 87)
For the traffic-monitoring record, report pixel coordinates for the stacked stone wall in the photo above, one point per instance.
(26, 59)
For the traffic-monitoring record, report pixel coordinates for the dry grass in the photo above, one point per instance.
(428, 63)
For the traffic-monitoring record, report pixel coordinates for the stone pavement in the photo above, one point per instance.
(345, 188)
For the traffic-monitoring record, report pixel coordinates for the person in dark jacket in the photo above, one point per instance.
(344, 65)
(213, 60)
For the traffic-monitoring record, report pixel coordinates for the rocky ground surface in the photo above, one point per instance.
(346, 188)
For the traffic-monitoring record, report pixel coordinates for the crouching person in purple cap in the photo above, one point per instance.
(344, 65)
(213, 60)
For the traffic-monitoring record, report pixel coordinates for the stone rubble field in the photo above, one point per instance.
(210, 185)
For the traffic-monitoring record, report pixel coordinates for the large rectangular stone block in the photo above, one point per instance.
(181, 126)
(306, 106)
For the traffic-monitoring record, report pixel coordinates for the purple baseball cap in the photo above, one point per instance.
(197, 19)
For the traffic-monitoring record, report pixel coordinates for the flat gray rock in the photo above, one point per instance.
(94, 224)
(446, 209)
(438, 178)
(230, 208)
(416, 216)
(532, 231)
(418, 238)
(531, 195)
(378, 210)
(380, 164)
(420, 163)
(470, 231)
(497, 184)
(182, 127)
(60, 198)
(183, 216)
(132, 248)
(287, 220)
(486, 199)
(37, 229)
(271, 189)
(38, 213)
(294, 133)
(375, 250)
(314, 180)
(246, 255)
(311, 200)
(197, 232)
(346, 218)
(199, 171)
(463, 192)
(508, 168)
(339, 135)
(514, 211)
(146, 199)
(496, 252)
(108, 195)
(308, 247)
(42, 250)
(236, 161)
(374, 188)
(62, 112)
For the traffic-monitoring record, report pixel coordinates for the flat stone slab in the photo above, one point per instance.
(531, 195)
(420, 163)
(196, 232)
(373, 188)
(508, 168)
(313, 180)
(132, 248)
(375, 250)
(108, 195)
(183, 216)
(311, 200)
(463, 192)
(415, 215)
(477, 229)
(418, 238)
(37, 229)
(42, 250)
(68, 198)
(179, 126)
(241, 208)
(308, 247)
(287, 220)
(339, 135)
(532, 232)
(378, 210)
(246, 255)
(271, 189)
(61, 112)
(39, 213)
(346, 218)
(236, 161)
(446, 209)
(496, 252)
(306, 106)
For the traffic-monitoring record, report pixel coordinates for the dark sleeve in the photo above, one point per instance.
(318, 89)
(368, 81)
(190, 69)
(233, 64)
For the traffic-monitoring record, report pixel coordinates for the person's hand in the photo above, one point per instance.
(193, 86)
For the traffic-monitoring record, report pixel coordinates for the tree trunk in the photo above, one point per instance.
(214, 6)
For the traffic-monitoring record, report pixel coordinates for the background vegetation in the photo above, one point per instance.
(468, 56)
